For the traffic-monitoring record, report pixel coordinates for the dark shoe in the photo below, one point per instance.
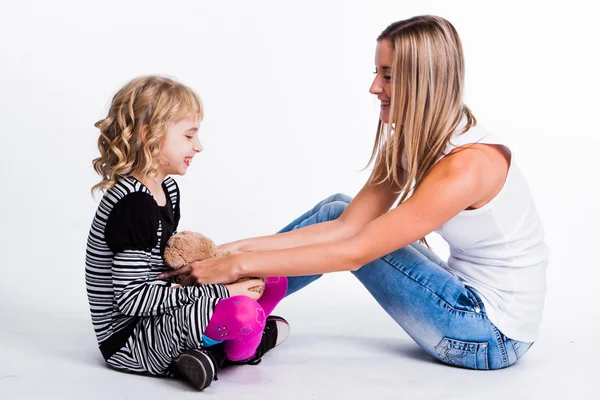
(198, 366)
(276, 331)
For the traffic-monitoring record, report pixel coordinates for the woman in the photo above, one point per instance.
(482, 308)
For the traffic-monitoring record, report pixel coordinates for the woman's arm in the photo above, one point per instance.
(454, 184)
(371, 202)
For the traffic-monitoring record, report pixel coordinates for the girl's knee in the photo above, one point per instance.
(279, 282)
(246, 311)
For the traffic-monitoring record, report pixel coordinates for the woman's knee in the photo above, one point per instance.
(344, 198)
(332, 210)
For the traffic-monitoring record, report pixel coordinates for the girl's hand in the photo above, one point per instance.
(243, 288)
(213, 270)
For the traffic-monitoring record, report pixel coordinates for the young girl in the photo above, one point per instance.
(482, 308)
(142, 323)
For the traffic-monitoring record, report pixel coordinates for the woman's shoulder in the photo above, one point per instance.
(481, 167)
(476, 134)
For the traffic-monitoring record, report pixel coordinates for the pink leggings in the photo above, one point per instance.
(239, 321)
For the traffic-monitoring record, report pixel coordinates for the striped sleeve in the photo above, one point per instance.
(136, 295)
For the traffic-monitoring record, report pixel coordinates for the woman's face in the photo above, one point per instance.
(381, 86)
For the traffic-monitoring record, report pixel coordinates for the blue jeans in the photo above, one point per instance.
(443, 316)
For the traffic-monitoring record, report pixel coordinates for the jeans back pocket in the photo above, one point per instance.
(459, 353)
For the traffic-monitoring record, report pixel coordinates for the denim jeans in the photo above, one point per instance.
(443, 316)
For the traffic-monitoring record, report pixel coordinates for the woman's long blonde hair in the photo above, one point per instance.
(137, 122)
(426, 108)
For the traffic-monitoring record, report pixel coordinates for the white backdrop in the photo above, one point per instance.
(289, 121)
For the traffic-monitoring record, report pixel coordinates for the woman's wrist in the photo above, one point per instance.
(233, 247)
(250, 244)
(242, 245)
(237, 266)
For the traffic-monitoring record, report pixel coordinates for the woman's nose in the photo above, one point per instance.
(375, 87)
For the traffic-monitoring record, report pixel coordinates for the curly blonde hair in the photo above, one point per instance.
(137, 122)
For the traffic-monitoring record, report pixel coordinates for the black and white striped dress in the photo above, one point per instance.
(141, 322)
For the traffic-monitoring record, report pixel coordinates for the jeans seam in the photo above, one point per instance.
(512, 345)
(385, 258)
(487, 357)
(501, 345)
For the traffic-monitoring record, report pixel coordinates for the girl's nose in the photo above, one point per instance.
(198, 146)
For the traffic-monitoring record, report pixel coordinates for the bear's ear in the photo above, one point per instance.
(173, 252)
(174, 261)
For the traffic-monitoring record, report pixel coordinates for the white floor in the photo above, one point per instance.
(347, 348)
(532, 78)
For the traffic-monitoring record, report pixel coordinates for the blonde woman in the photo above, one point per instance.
(482, 307)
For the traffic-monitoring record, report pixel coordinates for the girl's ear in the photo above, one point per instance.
(144, 133)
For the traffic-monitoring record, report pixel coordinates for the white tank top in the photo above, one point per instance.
(499, 249)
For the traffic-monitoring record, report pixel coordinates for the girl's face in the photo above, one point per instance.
(180, 145)
(381, 86)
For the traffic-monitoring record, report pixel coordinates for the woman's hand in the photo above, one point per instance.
(213, 270)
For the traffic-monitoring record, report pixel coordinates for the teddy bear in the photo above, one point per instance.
(185, 247)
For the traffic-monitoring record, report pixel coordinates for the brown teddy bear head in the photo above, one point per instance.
(186, 247)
